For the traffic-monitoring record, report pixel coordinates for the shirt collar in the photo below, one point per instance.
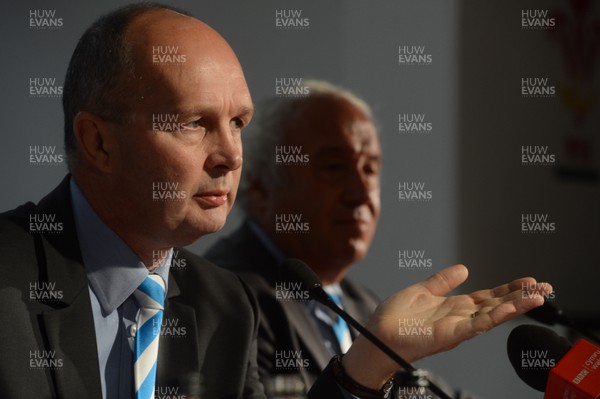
(113, 270)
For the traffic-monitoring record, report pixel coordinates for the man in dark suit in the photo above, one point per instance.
(96, 299)
(330, 181)
(136, 190)
(316, 160)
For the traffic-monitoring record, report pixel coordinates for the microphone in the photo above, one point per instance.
(550, 315)
(299, 271)
(533, 351)
(546, 362)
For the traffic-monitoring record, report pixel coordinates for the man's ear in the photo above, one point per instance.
(94, 140)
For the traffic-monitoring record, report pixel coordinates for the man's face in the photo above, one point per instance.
(338, 191)
(178, 162)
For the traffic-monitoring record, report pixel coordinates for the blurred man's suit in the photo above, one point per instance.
(284, 325)
(212, 303)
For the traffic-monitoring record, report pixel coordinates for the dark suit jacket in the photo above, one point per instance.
(284, 325)
(48, 347)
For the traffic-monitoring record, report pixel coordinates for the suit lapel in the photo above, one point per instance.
(69, 326)
(357, 303)
(308, 335)
(308, 332)
(352, 308)
(178, 364)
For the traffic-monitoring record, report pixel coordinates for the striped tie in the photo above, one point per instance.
(151, 298)
(340, 328)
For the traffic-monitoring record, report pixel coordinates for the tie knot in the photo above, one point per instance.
(151, 293)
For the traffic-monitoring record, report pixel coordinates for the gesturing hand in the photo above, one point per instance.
(420, 321)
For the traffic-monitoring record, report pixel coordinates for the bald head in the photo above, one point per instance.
(166, 45)
(112, 65)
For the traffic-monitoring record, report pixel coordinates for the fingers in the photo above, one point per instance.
(520, 299)
(524, 285)
(445, 280)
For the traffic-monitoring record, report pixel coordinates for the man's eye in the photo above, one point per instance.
(194, 125)
(237, 123)
(333, 167)
(372, 168)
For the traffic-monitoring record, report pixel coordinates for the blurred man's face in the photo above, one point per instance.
(337, 192)
(179, 161)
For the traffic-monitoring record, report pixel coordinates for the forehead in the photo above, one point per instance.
(332, 124)
(179, 58)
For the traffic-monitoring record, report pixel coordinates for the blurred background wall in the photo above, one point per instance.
(468, 90)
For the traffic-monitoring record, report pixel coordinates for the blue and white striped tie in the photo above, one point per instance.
(339, 326)
(151, 298)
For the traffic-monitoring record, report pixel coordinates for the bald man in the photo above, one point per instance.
(88, 302)
(118, 227)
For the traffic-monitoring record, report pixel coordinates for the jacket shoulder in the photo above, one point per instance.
(18, 261)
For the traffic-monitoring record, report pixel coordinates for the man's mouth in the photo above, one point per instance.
(212, 198)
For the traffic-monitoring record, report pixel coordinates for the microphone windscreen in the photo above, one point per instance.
(299, 271)
(533, 351)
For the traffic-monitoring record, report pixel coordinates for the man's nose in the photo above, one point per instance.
(357, 188)
(225, 153)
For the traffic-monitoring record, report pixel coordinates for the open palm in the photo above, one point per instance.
(420, 321)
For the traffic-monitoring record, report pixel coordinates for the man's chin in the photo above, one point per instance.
(355, 249)
(195, 230)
